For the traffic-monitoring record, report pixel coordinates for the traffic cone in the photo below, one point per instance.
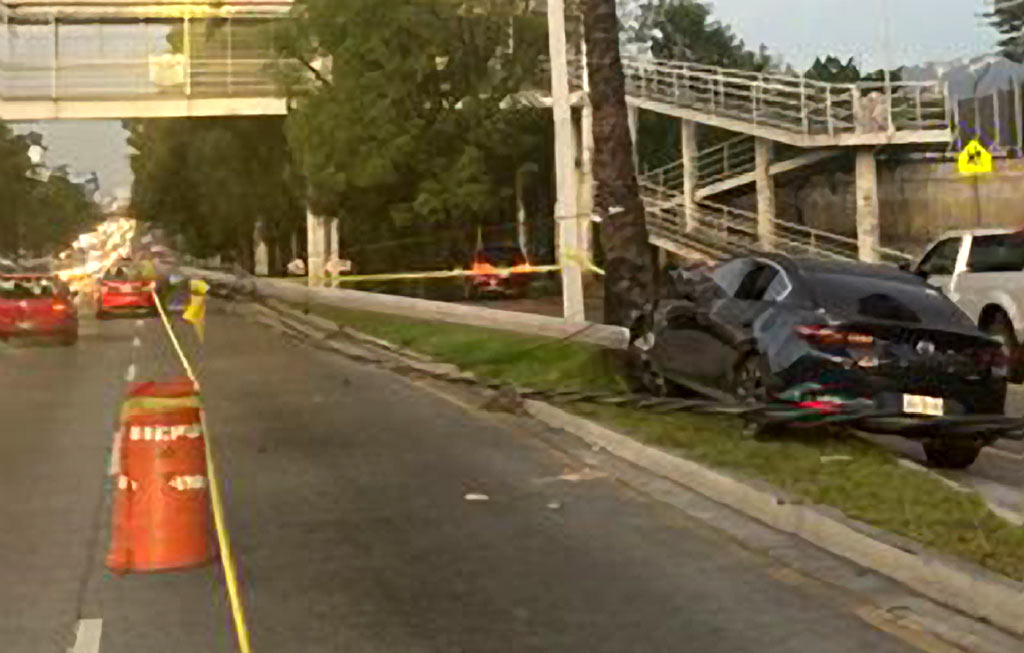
(161, 514)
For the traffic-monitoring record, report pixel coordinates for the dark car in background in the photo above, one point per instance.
(37, 305)
(825, 335)
(498, 271)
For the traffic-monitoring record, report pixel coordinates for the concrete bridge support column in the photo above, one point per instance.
(868, 233)
(332, 239)
(261, 253)
(763, 150)
(688, 138)
(316, 247)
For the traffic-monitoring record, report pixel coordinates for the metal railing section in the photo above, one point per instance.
(730, 230)
(153, 77)
(791, 103)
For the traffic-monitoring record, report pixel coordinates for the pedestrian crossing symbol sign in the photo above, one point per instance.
(974, 159)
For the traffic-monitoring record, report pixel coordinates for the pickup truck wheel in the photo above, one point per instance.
(1001, 329)
(951, 455)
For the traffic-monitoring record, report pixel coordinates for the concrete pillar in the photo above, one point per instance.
(316, 246)
(633, 116)
(294, 252)
(763, 149)
(565, 168)
(688, 137)
(332, 239)
(868, 235)
(261, 253)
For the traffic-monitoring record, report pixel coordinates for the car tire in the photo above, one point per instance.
(951, 455)
(749, 382)
(69, 340)
(1001, 328)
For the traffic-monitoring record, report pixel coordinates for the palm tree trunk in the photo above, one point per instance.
(629, 266)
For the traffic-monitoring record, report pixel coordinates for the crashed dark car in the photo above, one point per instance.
(823, 335)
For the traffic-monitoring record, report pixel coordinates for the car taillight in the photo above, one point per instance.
(60, 306)
(483, 268)
(995, 358)
(823, 335)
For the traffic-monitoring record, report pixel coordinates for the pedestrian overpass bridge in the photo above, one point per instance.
(75, 59)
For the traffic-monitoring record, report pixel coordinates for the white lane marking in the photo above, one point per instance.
(130, 374)
(139, 323)
(136, 342)
(88, 638)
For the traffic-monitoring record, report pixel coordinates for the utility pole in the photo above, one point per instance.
(566, 209)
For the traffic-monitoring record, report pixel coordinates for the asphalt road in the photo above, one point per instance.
(345, 491)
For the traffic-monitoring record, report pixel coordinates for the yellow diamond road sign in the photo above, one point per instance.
(974, 159)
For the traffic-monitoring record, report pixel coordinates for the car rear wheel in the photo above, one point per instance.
(69, 340)
(951, 455)
(1001, 329)
(750, 380)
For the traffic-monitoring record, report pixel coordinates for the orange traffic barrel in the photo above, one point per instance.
(161, 517)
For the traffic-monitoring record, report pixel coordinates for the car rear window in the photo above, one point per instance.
(997, 253)
(121, 272)
(859, 296)
(26, 288)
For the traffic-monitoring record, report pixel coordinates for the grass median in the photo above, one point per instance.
(859, 478)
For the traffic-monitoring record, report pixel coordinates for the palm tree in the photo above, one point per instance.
(629, 261)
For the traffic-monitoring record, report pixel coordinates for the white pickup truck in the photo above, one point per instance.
(982, 271)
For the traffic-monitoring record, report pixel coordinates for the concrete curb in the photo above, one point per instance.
(968, 588)
(602, 335)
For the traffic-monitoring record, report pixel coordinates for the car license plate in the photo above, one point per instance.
(26, 326)
(922, 405)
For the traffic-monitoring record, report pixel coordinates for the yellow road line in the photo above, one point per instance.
(223, 539)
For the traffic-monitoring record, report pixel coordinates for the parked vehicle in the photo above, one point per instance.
(35, 305)
(829, 336)
(498, 271)
(125, 290)
(982, 270)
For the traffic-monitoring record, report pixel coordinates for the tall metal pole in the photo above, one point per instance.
(565, 167)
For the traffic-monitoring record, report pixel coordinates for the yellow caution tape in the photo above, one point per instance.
(223, 538)
(577, 256)
(443, 274)
(196, 310)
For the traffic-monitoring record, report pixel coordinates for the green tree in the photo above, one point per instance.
(210, 180)
(40, 215)
(1008, 19)
(408, 133)
(832, 69)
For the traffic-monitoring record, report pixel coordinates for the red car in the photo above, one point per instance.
(123, 291)
(37, 305)
(498, 271)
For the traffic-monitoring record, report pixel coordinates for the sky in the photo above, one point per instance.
(798, 30)
(919, 30)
